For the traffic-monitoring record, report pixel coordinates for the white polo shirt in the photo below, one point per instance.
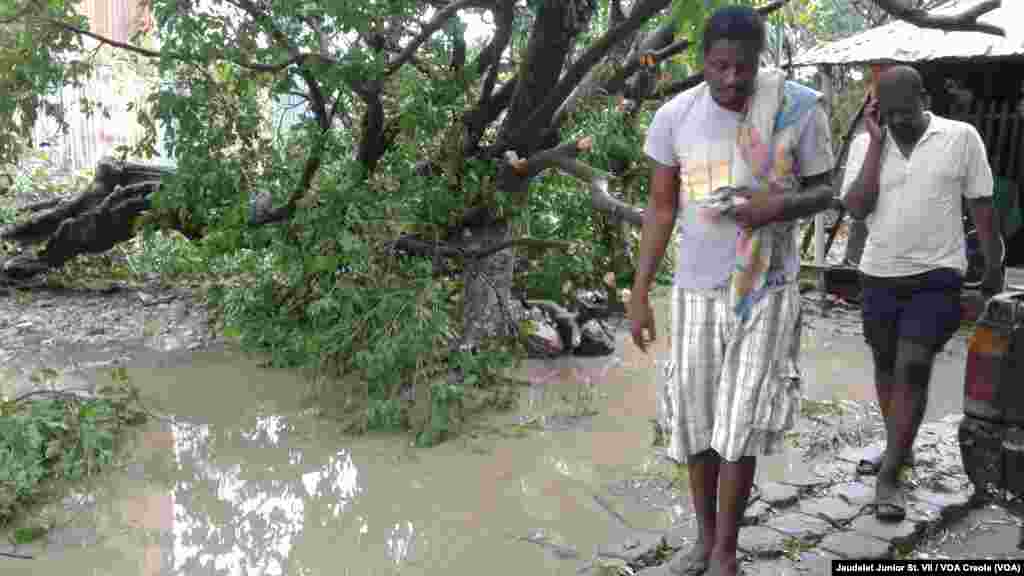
(917, 223)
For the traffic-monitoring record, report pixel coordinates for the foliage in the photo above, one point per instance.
(47, 436)
(162, 253)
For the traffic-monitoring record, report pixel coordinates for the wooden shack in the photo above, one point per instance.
(969, 76)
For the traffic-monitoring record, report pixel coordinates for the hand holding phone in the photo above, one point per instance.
(872, 119)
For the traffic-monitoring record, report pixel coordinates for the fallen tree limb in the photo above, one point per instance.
(109, 174)
(92, 222)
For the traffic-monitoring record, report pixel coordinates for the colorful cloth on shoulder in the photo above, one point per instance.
(766, 135)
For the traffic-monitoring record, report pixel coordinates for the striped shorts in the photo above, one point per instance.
(731, 387)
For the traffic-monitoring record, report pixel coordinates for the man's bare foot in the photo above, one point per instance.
(723, 567)
(890, 503)
(692, 562)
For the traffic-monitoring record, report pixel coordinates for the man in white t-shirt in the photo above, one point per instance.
(906, 177)
(732, 383)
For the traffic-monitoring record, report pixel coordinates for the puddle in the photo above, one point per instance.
(243, 480)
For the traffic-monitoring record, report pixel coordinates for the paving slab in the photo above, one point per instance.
(761, 541)
(830, 508)
(898, 533)
(800, 526)
(854, 493)
(849, 544)
(817, 562)
(779, 495)
(776, 567)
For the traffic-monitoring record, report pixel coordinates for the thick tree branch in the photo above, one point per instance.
(563, 157)
(539, 121)
(429, 29)
(486, 112)
(966, 21)
(504, 16)
(657, 45)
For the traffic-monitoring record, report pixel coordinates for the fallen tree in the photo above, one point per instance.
(92, 222)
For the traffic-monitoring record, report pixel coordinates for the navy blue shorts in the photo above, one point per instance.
(924, 308)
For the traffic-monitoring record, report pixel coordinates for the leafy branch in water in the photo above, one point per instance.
(50, 435)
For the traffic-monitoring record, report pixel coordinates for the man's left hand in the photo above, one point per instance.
(993, 281)
(761, 207)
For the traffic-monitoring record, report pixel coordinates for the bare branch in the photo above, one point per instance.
(563, 157)
(434, 25)
(297, 58)
(966, 21)
(102, 39)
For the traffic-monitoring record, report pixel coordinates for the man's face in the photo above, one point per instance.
(730, 68)
(902, 112)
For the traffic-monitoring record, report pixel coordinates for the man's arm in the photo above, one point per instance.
(862, 195)
(659, 220)
(978, 189)
(985, 221)
(815, 196)
(816, 161)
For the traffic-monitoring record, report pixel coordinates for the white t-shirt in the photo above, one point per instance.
(917, 223)
(700, 141)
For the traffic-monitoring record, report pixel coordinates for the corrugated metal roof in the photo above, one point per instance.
(900, 41)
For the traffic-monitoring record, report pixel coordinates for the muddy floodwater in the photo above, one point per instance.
(242, 479)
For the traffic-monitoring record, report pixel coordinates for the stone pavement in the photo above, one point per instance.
(799, 527)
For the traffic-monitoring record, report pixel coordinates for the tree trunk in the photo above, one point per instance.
(489, 311)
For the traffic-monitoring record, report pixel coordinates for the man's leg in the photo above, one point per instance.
(691, 415)
(703, 471)
(759, 389)
(907, 394)
(881, 310)
(928, 321)
(736, 483)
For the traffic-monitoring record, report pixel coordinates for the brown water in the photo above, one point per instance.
(244, 480)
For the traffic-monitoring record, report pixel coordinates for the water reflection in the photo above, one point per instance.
(400, 541)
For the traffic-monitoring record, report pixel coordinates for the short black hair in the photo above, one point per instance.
(739, 23)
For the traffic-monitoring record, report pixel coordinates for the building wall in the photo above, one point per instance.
(117, 19)
(89, 137)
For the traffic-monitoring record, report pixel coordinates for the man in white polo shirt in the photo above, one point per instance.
(906, 177)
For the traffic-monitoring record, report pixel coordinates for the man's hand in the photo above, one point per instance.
(993, 282)
(759, 208)
(872, 120)
(641, 317)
